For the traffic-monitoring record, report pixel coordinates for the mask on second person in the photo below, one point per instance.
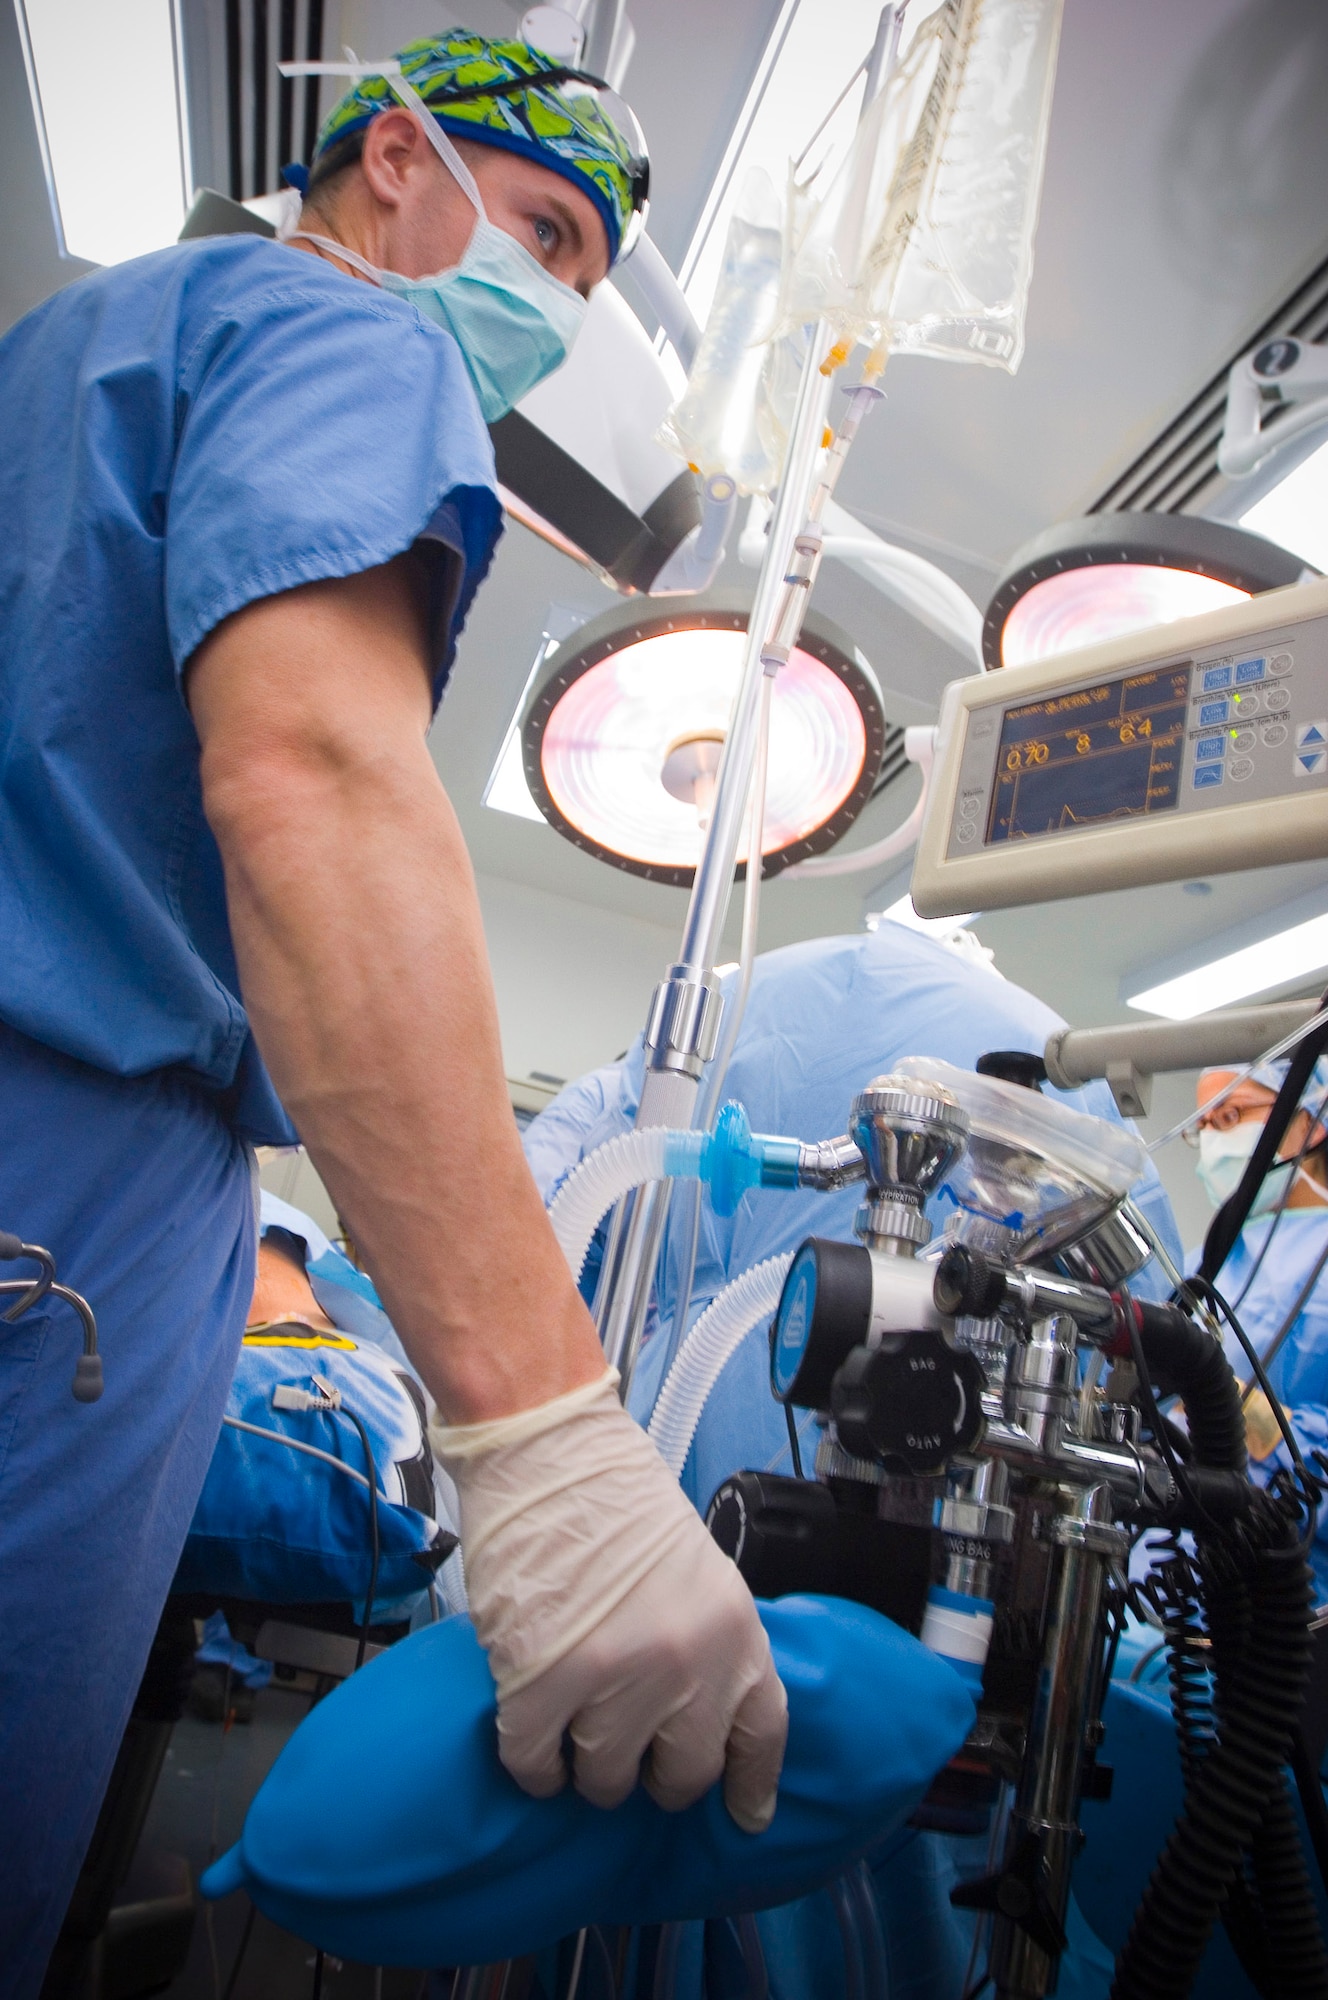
(1223, 1158)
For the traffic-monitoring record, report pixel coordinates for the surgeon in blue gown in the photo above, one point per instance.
(1276, 1273)
(248, 494)
(822, 1018)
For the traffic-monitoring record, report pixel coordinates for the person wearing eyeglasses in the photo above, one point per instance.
(1276, 1274)
(248, 495)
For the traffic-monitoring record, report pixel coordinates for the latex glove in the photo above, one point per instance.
(609, 1615)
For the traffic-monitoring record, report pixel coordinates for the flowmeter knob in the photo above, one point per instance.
(913, 1403)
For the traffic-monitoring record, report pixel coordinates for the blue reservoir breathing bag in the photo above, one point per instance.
(389, 1833)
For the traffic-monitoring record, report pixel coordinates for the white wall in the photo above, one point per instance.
(573, 981)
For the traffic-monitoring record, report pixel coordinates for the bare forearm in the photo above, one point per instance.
(362, 963)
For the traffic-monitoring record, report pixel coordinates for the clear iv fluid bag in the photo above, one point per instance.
(924, 239)
(715, 424)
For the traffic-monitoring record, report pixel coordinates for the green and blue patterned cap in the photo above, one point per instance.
(508, 94)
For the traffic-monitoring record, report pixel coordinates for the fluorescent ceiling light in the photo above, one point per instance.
(106, 93)
(1295, 512)
(903, 912)
(1259, 968)
(806, 64)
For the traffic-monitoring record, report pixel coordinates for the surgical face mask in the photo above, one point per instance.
(1223, 1158)
(512, 320)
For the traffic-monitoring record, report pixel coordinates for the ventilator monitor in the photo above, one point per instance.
(1190, 749)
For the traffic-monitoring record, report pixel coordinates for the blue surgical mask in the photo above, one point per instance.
(512, 320)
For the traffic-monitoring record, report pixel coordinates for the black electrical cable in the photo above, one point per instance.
(1202, 1287)
(1234, 1213)
(1279, 1339)
(795, 1449)
(318, 1975)
(1230, 1796)
(1311, 1145)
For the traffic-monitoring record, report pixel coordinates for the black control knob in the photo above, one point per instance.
(912, 1403)
(824, 1313)
(967, 1284)
(1019, 1066)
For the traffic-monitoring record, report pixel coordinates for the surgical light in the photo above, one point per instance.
(622, 738)
(109, 104)
(1110, 574)
(1275, 961)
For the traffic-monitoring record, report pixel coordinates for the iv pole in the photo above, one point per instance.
(682, 1027)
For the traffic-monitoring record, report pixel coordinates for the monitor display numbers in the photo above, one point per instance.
(1107, 752)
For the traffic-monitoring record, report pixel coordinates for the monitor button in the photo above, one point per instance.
(1216, 677)
(1248, 702)
(1310, 763)
(1206, 776)
(1312, 735)
(1277, 699)
(1239, 769)
(970, 805)
(1274, 735)
(966, 832)
(1281, 663)
(1245, 739)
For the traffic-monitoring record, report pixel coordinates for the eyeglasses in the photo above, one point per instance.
(615, 110)
(1225, 1118)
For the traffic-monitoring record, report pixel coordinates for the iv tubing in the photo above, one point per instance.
(707, 1350)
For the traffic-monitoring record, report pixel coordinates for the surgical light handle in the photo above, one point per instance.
(1277, 375)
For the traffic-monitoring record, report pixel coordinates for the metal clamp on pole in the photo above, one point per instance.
(682, 1026)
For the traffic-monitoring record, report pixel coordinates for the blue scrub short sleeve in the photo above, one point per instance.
(323, 428)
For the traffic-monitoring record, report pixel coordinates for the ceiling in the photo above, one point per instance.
(1184, 197)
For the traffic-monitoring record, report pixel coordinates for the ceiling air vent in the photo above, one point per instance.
(1176, 472)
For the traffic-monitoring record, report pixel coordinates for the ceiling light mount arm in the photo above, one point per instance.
(1275, 393)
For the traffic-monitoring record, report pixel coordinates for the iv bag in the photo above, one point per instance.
(714, 425)
(924, 240)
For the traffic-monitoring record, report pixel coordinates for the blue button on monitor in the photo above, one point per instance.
(1207, 774)
(1249, 670)
(1209, 747)
(1213, 711)
(1216, 677)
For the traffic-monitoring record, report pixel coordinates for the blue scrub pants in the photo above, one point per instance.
(146, 1199)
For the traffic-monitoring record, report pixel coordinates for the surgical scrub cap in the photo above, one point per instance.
(1272, 1075)
(583, 133)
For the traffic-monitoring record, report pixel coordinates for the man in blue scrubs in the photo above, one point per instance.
(247, 495)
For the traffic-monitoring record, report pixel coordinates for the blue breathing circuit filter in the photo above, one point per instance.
(389, 1833)
(732, 1159)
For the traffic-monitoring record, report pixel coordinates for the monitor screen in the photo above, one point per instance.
(1107, 752)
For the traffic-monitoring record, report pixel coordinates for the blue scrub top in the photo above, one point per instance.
(180, 436)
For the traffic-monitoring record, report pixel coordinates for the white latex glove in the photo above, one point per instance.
(610, 1615)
